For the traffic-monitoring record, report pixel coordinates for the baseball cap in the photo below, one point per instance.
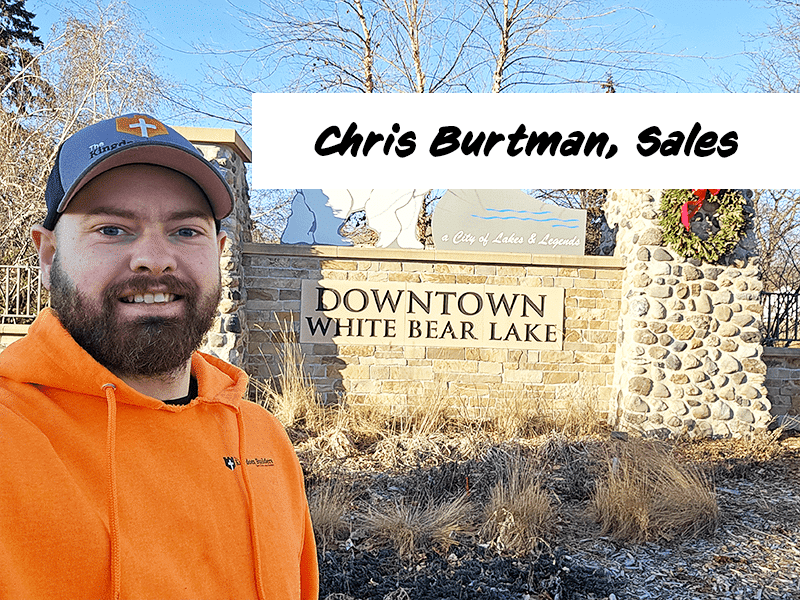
(134, 138)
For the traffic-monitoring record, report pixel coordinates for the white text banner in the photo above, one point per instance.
(521, 141)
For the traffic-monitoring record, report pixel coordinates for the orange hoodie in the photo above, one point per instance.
(107, 493)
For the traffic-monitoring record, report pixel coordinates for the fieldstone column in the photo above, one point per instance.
(688, 358)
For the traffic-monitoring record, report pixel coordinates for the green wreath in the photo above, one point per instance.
(731, 217)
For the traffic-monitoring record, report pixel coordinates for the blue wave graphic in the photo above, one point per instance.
(562, 223)
(559, 222)
(519, 212)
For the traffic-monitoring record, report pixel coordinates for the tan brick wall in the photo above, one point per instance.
(10, 334)
(273, 276)
(783, 380)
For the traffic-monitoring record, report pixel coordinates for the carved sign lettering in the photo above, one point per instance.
(419, 314)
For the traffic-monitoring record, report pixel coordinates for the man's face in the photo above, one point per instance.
(133, 269)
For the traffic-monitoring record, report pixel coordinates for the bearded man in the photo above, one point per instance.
(126, 471)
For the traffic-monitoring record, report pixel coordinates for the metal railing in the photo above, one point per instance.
(21, 294)
(781, 317)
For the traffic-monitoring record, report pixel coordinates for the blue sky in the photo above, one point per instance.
(711, 29)
(714, 29)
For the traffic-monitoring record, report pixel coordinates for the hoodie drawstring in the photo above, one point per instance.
(113, 507)
(251, 509)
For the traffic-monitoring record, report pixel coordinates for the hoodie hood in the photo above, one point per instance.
(49, 357)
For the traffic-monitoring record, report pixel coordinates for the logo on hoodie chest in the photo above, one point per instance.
(232, 462)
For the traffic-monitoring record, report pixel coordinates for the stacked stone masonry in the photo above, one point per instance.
(384, 374)
(689, 354)
(228, 337)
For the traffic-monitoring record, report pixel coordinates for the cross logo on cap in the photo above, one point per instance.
(141, 126)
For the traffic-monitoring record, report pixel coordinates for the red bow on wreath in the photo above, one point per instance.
(691, 208)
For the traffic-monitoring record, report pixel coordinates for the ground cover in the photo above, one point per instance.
(436, 500)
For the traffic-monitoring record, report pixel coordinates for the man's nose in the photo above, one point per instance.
(152, 254)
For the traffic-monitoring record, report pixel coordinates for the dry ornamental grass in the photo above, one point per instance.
(647, 495)
(416, 525)
(519, 514)
(440, 498)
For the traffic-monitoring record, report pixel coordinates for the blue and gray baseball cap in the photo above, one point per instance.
(129, 139)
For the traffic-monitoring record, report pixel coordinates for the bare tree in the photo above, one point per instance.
(24, 146)
(346, 45)
(432, 46)
(104, 67)
(775, 68)
(554, 43)
(98, 66)
(777, 228)
(775, 61)
(410, 20)
(270, 209)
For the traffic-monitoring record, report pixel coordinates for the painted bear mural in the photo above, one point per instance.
(317, 216)
(477, 220)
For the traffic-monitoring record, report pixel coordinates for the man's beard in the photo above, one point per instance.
(146, 346)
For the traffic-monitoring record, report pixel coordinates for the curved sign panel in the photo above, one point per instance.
(506, 221)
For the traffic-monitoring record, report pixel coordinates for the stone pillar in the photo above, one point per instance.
(688, 357)
(228, 337)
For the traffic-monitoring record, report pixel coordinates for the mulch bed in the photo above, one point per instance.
(379, 575)
(753, 554)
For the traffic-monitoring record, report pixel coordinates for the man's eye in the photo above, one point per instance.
(111, 230)
(187, 232)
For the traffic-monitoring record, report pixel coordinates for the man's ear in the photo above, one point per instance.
(45, 242)
(222, 237)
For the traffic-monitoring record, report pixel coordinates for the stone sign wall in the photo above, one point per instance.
(576, 360)
(783, 383)
(229, 334)
(669, 345)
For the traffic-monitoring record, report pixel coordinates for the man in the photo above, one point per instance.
(130, 465)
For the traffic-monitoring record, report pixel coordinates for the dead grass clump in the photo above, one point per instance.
(405, 451)
(518, 414)
(527, 413)
(430, 414)
(581, 412)
(293, 399)
(519, 514)
(572, 464)
(424, 415)
(328, 502)
(373, 420)
(419, 524)
(365, 424)
(648, 495)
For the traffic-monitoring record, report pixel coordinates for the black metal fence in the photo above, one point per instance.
(781, 317)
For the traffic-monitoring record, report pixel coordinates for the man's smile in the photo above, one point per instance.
(148, 298)
(151, 303)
